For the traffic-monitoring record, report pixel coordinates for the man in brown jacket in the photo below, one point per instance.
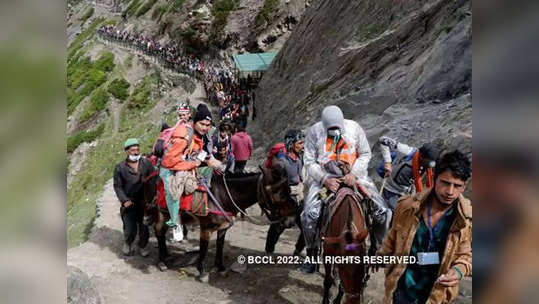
(435, 226)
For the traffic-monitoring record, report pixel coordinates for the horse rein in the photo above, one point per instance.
(203, 182)
(255, 221)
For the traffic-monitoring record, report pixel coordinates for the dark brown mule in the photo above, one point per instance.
(245, 190)
(344, 235)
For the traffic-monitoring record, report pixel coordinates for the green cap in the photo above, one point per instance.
(131, 142)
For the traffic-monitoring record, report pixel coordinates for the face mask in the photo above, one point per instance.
(134, 158)
(334, 133)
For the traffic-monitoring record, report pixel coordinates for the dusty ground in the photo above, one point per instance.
(136, 279)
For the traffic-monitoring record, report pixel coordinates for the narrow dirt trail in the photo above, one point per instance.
(115, 108)
(135, 279)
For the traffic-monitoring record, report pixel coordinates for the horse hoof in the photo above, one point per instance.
(162, 266)
(222, 273)
(204, 278)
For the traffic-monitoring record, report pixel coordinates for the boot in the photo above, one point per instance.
(310, 268)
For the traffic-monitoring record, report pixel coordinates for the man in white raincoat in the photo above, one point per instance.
(324, 139)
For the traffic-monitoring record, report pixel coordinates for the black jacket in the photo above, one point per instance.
(128, 184)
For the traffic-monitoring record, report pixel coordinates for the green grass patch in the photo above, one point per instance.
(177, 5)
(264, 16)
(78, 42)
(83, 136)
(140, 98)
(98, 103)
(132, 7)
(119, 88)
(145, 7)
(84, 76)
(87, 14)
(105, 62)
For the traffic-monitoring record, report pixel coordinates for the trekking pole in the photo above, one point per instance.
(383, 185)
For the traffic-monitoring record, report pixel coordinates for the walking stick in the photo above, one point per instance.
(383, 185)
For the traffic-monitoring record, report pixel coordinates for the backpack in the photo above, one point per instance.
(162, 143)
(380, 168)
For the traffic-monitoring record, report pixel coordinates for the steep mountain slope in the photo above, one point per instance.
(401, 68)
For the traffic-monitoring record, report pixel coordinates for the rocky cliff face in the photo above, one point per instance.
(401, 68)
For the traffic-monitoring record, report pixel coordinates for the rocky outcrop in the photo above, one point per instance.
(80, 290)
(401, 68)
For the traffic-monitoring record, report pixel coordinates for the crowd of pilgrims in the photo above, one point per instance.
(232, 96)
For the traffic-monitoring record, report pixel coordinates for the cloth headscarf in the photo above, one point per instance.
(276, 150)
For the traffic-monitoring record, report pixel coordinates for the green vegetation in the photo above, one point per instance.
(264, 16)
(78, 43)
(105, 62)
(119, 88)
(140, 97)
(83, 77)
(89, 13)
(99, 102)
(145, 7)
(177, 5)
(83, 136)
(220, 11)
(132, 7)
(159, 11)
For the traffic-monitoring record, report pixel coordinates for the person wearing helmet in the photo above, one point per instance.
(292, 161)
(411, 165)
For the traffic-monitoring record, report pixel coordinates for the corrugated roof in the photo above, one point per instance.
(254, 62)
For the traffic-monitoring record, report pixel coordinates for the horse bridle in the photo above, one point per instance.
(265, 200)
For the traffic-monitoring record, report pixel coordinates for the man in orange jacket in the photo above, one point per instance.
(186, 153)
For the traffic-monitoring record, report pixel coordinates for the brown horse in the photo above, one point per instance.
(234, 193)
(344, 235)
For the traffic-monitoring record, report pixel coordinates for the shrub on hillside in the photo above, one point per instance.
(132, 7)
(98, 103)
(105, 62)
(83, 136)
(89, 13)
(119, 88)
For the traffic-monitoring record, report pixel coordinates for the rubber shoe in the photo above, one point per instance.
(126, 249)
(177, 233)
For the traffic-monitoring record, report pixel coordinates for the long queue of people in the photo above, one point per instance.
(169, 55)
(233, 97)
